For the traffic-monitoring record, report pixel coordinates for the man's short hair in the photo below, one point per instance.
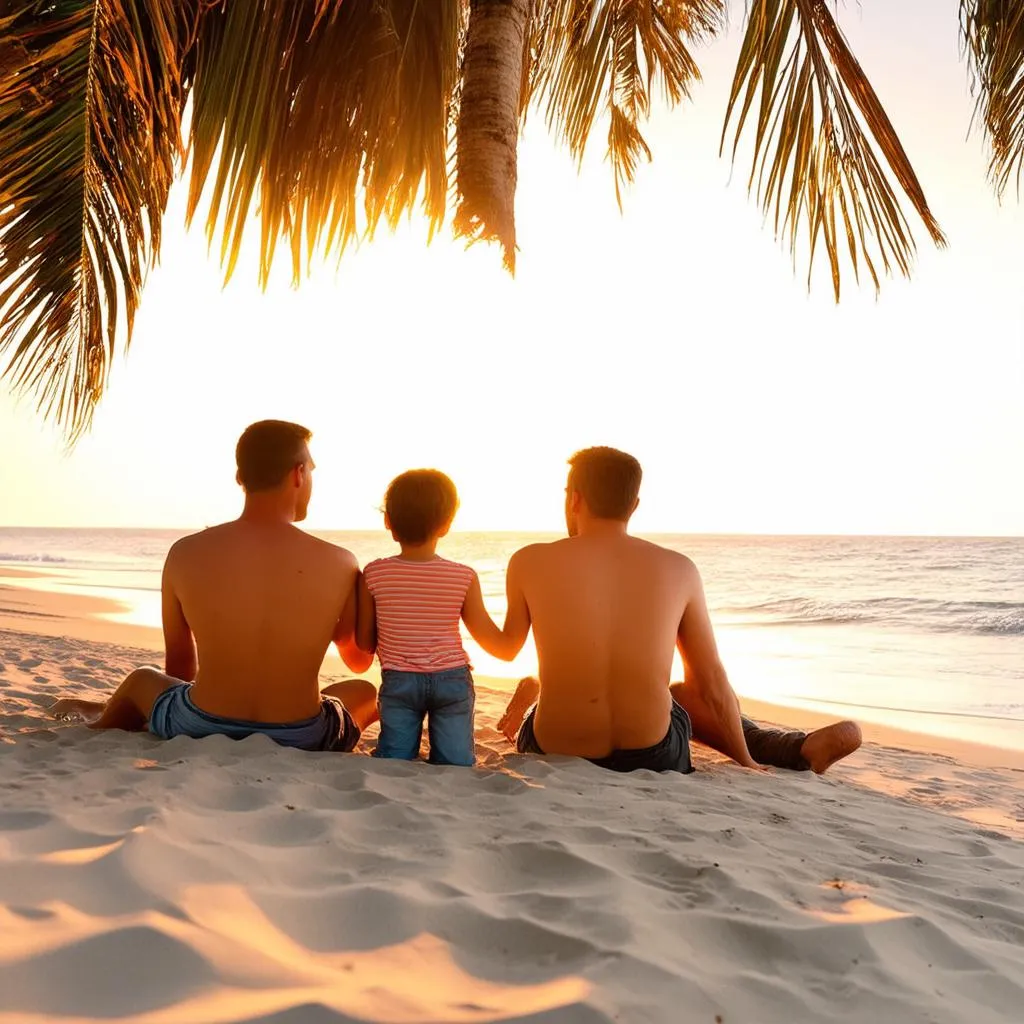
(268, 451)
(608, 480)
(419, 504)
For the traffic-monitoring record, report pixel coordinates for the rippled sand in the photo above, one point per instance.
(199, 882)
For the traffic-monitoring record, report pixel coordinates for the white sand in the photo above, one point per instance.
(198, 882)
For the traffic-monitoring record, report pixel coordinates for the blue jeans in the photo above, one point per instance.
(447, 697)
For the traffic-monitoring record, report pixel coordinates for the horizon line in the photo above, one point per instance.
(560, 533)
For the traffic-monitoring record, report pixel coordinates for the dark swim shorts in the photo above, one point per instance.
(174, 714)
(672, 754)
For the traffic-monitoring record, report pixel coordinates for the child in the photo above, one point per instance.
(409, 611)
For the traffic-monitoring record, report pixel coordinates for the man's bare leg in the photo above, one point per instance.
(522, 700)
(129, 706)
(820, 748)
(359, 697)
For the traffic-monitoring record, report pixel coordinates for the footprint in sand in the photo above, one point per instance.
(30, 663)
(3, 667)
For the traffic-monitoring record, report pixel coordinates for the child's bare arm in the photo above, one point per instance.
(482, 628)
(366, 618)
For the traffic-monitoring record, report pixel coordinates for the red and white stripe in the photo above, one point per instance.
(419, 605)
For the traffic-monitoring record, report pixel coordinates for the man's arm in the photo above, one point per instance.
(705, 672)
(366, 617)
(517, 611)
(345, 635)
(180, 659)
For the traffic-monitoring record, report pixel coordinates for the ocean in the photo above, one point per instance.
(920, 633)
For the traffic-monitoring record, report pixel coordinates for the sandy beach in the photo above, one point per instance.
(216, 881)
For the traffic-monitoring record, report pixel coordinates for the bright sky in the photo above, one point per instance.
(678, 332)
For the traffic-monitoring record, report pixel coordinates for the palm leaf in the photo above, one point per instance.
(821, 140)
(993, 33)
(332, 115)
(90, 109)
(602, 57)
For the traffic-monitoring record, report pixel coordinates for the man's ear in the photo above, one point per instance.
(387, 522)
(575, 501)
(238, 477)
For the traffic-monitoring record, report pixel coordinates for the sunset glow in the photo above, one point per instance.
(677, 331)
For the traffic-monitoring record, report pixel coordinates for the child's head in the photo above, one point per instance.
(419, 506)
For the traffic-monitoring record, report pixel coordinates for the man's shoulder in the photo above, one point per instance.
(199, 540)
(539, 550)
(669, 557)
(328, 550)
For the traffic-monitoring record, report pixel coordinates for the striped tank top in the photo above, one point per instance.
(418, 606)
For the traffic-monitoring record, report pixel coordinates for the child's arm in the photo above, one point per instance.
(500, 643)
(481, 626)
(366, 618)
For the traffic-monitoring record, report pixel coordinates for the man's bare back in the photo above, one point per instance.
(249, 610)
(605, 612)
(264, 602)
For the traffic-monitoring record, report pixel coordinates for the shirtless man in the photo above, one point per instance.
(249, 610)
(607, 611)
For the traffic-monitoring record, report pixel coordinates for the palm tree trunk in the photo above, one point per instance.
(488, 125)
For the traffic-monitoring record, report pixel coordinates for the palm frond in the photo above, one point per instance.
(993, 34)
(821, 137)
(90, 111)
(603, 57)
(334, 114)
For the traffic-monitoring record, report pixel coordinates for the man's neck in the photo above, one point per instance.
(601, 528)
(266, 510)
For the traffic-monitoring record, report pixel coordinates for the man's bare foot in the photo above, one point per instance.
(825, 746)
(522, 700)
(71, 707)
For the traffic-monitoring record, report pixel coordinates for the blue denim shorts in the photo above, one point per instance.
(445, 699)
(174, 714)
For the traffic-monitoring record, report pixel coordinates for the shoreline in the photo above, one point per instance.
(908, 766)
(80, 617)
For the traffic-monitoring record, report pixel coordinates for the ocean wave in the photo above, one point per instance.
(32, 559)
(980, 618)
